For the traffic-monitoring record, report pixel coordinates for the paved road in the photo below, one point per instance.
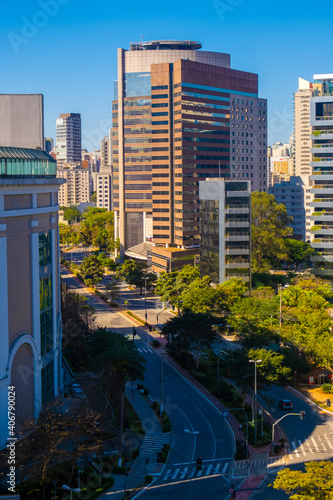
(187, 409)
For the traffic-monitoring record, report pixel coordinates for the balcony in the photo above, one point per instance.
(231, 210)
(237, 251)
(238, 194)
(323, 135)
(322, 243)
(327, 203)
(321, 163)
(238, 237)
(324, 176)
(237, 265)
(322, 258)
(240, 223)
(322, 271)
(322, 217)
(243, 277)
(323, 231)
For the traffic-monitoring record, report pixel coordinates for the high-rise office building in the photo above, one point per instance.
(68, 138)
(30, 354)
(180, 115)
(225, 229)
(48, 144)
(321, 115)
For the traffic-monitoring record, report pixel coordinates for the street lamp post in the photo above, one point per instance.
(79, 474)
(145, 279)
(218, 356)
(194, 433)
(162, 381)
(254, 416)
(76, 490)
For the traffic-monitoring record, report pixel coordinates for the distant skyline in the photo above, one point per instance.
(67, 50)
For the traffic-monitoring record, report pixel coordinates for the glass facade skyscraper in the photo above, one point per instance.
(180, 115)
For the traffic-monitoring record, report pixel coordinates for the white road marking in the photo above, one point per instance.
(167, 475)
(209, 468)
(175, 474)
(183, 474)
(224, 468)
(314, 444)
(322, 444)
(294, 446)
(329, 442)
(301, 447)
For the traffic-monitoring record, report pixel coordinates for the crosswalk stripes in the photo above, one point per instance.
(314, 444)
(185, 473)
(154, 443)
(144, 349)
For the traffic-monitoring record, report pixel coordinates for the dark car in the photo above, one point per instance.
(285, 404)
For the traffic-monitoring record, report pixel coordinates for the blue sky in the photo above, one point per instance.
(66, 49)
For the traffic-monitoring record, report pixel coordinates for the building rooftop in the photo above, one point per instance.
(25, 162)
(166, 45)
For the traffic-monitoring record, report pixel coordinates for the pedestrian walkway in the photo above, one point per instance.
(141, 467)
(154, 443)
(313, 444)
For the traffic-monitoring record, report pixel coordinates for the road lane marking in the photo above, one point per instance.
(199, 473)
(309, 450)
(294, 446)
(210, 429)
(175, 474)
(224, 468)
(183, 474)
(322, 444)
(194, 435)
(301, 447)
(167, 475)
(209, 468)
(314, 444)
(329, 442)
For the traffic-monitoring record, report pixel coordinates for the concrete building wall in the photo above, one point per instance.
(22, 120)
(22, 360)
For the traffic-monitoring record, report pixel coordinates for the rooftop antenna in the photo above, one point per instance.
(141, 39)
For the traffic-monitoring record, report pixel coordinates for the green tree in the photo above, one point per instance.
(134, 273)
(298, 251)
(315, 483)
(199, 296)
(270, 228)
(98, 228)
(116, 359)
(72, 214)
(190, 331)
(91, 270)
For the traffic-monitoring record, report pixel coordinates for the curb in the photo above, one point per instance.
(310, 401)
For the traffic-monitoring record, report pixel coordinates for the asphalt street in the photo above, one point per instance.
(198, 428)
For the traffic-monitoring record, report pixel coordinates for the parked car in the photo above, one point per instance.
(285, 404)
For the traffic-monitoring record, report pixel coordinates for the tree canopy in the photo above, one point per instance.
(316, 483)
(270, 228)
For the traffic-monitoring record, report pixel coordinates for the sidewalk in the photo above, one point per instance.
(140, 468)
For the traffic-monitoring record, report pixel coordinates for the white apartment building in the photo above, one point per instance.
(302, 128)
(77, 188)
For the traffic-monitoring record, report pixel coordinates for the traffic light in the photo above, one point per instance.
(199, 463)
(328, 402)
(302, 415)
